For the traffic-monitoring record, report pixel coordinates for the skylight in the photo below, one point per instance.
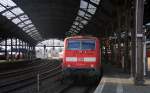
(2, 8)
(21, 25)
(91, 9)
(83, 4)
(16, 20)
(81, 13)
(80, 25)
(24, 17)
(7, 3)
(17, 11)
(28, 22)
(95, 1)
(8, 14)
(76, 23)
(10, 10)
(28, 27)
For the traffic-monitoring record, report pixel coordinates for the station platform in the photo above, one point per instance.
(116, 81)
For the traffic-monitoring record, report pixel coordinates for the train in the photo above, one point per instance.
(82, 56)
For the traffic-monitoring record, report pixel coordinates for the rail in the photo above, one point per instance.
(18, 79)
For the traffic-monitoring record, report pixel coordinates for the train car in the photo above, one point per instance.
(82, 56)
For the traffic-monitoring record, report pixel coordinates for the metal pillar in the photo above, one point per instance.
(19, 49)
(139, 77)
(112, 51)
(119, 39)
(126, 44)
(29, 52)
(16, 48)
(25, 50)
(11, 46)
(22, 49)
(33, 51)
(6, 55)
(44, 47)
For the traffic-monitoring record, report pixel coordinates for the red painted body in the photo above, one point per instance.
(83, 59)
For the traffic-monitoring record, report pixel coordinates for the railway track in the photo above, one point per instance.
(42, 78)
(8, 66)
(75, 87)
(21, 78)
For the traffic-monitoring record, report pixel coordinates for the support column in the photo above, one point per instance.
(29, 52)
(6, 54)
(33, 52)
(22, 49)
(11, 46)
(16, 48)
(19, 49)
(25, 50)
(126, 44)
(139, 75)
(119, 40)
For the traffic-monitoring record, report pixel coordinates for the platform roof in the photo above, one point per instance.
(43, 19)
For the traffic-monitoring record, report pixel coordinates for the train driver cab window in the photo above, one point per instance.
(73, 45)
(88, 44)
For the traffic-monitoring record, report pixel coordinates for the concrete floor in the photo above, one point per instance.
(116, 81)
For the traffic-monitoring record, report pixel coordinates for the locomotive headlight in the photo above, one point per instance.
(72, 59)
(90, 59)
(92, 65)
(68, 65)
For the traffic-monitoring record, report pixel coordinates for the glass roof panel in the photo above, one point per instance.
(28, 27)
(28, 22)
(95, 1)
(91, 9)
(17, 11)
(31, 29)
(73, 26)
(8, 14)
(81, 13)
(24, 17)
(88, 15)
(25, 28)
(2, 8)
(21, 25)
(7, 3)
(76, 23)
(80, 25)
(30, 33)
(78, 18)
(27, 31)
(84, 22)
(35, 34)
(16, 20)
(78, 28)
(83, 4)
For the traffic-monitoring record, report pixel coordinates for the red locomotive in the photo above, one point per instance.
(82, 56)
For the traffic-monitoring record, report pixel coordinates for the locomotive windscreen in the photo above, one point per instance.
(86, 44)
